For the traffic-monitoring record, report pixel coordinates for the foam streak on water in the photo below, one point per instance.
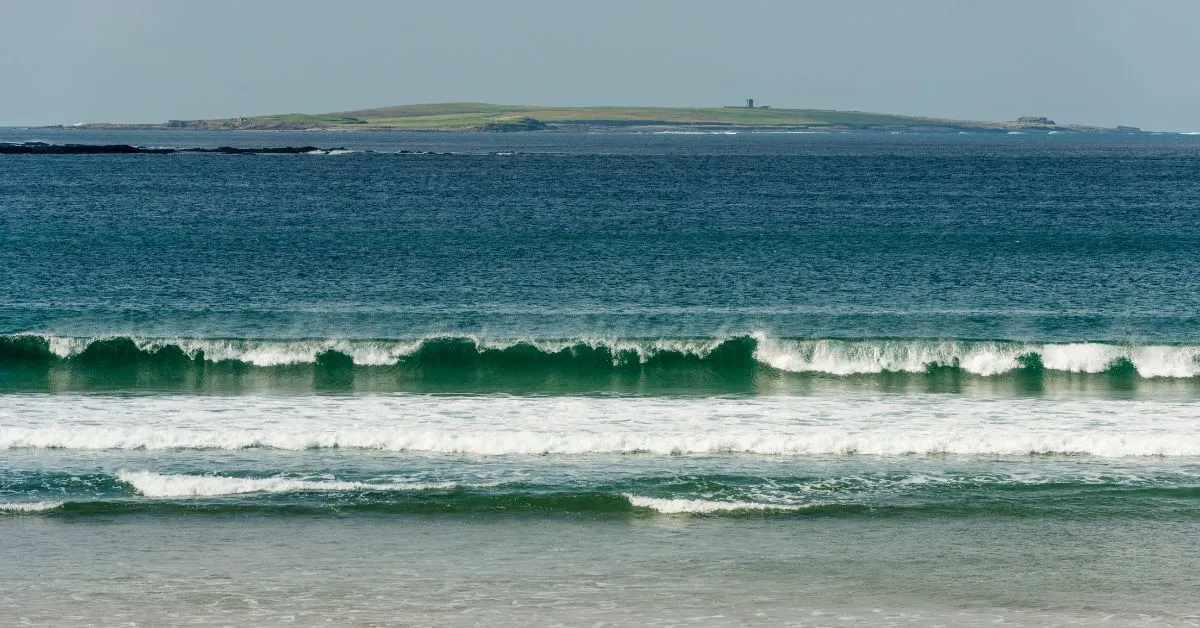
(152, 484)
(501, 425)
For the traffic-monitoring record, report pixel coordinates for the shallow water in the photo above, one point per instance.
(521, 569)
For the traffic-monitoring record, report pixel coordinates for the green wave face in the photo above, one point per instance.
(735, 364)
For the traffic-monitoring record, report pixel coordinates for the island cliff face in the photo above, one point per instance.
(508, 118)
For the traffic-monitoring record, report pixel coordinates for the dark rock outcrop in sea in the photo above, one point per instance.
(42, 148)
(522, 124)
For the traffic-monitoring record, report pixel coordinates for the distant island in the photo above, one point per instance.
(504, 118)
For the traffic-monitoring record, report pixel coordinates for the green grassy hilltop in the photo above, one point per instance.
(489, 117)
(482, 115)
(459, 115)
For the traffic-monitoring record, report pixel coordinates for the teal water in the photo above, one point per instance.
(571, 379)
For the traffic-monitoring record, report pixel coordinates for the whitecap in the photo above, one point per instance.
(668, 506)
(28, 507)
(152, 484)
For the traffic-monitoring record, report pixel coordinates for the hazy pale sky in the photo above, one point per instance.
(1093, 62)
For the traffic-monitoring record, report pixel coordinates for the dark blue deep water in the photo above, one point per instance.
(1046, 238)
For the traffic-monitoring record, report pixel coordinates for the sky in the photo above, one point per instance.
(1095, 62)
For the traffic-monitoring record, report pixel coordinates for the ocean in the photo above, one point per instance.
(471, 379)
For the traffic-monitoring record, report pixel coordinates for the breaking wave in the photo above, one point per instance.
(151, 484)
(736, 354)
(704, 506)
(984, 358)
(707, 496)
(437, 352)
(745, 363)
(28, 507)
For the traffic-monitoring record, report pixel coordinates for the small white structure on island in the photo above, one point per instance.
(749, 105)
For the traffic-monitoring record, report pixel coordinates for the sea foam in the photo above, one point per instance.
(700, 506)
(151, 484)
(28, 507)
(512, 425)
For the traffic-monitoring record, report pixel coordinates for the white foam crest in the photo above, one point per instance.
(668, 506)
(152, 484)
(66, 347)
(257, 352)
(283, 352)
(830, 356)
(851, 357)
(1150, 360)
(504, 425)
(373, 352)
(643, 348)
(28, 507)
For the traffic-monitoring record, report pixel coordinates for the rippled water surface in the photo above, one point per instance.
(566, 379)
